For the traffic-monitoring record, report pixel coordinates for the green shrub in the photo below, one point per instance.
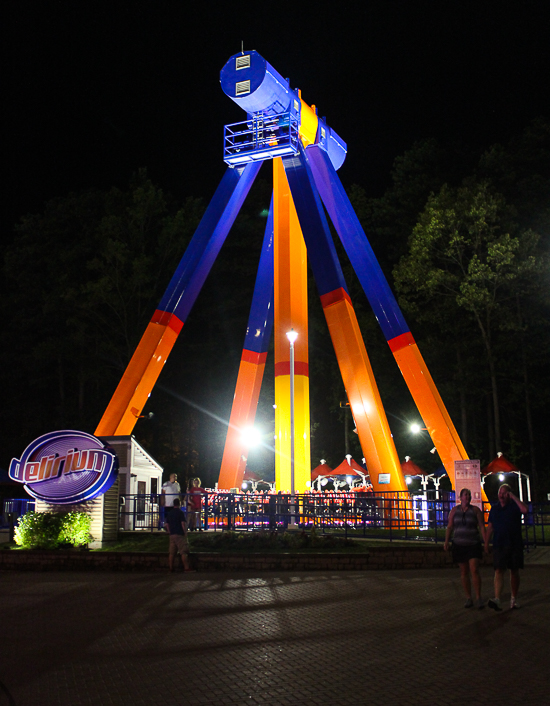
(48, 530)
(75, 529)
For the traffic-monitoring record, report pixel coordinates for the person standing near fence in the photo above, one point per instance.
(194, 504)
(505, 523)
(468, 527)
(176, 526)
(170, 491)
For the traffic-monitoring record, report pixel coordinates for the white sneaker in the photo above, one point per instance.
(494, 603)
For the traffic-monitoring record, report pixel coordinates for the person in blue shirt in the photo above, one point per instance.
(176, 526)
(505, 524)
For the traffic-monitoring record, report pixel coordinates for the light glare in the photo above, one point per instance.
(251, 436)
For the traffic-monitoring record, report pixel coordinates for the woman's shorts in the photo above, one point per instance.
(463, 553)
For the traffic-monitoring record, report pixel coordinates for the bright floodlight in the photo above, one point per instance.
(244, 486)
(292, 336)
(408, 480)
(251, 436)
(348, 480)
(501, 477)
(415, 428)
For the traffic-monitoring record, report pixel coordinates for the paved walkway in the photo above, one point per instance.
(385, 637)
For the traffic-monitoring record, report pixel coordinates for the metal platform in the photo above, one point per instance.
(260, 137)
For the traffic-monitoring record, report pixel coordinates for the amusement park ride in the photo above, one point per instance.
(306, 154)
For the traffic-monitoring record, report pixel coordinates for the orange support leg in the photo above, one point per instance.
(140, 376)
(428, 400)
(364, 398)
(243, 413)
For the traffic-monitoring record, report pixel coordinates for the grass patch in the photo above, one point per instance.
(297, 540)
(261, 541)
(137, 542)
(265, 541)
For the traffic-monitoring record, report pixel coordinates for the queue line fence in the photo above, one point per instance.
(390, 516)
(378, 516)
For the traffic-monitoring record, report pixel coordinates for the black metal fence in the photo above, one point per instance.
(384, 515)
(11, 510)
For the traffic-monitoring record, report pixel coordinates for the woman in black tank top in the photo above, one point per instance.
(467, 524)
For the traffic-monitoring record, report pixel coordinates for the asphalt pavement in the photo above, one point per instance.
(285, 638)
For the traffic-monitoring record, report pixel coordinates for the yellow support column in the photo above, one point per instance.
(290, 311)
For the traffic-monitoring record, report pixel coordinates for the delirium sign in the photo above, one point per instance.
(65, 467)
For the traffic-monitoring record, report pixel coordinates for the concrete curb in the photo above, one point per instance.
(386, 557)
(397, 557)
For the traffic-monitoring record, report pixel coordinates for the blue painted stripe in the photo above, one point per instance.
(356, 244)
(205, 245)
(320, 246)
(260, 320)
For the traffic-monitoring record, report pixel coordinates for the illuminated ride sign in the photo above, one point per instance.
(65, 467)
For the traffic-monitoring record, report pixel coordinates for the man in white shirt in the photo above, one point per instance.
(170, 491)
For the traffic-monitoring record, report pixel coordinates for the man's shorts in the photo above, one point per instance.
(463, 553)
(178, 544)
(508, 558)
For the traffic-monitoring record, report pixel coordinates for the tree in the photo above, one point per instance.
(469, 263)
(82, 280)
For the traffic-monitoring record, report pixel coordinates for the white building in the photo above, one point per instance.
(132, 498)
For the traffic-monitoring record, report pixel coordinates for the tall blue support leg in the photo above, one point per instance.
(387, 311)
(366, 405)
(251, 370)
(167, 321)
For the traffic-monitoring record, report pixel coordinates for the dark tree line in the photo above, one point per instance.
(463, 238)
(473, 280)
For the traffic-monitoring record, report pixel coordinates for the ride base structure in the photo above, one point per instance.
(306, 154)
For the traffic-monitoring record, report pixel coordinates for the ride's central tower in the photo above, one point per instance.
(306, 154)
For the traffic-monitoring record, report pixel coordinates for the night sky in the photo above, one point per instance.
(96, 90)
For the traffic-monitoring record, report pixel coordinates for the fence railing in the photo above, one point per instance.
(12, 509)
(260, 137)
(382, 515)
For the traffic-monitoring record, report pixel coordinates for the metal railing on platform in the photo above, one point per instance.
(261, 137)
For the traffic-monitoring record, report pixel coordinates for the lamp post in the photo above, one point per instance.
(292, 336)
(416, 429)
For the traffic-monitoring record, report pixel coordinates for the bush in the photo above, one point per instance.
(75, 529)
(49, 530)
